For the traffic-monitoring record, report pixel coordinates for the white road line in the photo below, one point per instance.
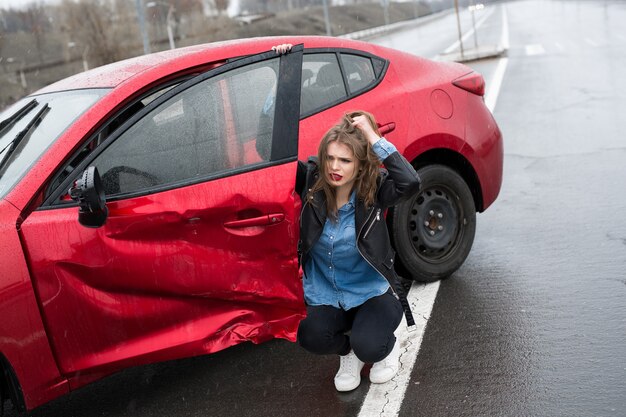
(385, 400)
(535, 49)
(559, 46)
(493, 89)
(491, 97)
(469, 33)
(591, 42)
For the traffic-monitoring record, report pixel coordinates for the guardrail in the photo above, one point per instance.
(378, 30)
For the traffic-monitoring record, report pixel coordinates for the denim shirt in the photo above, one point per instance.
(336, 274)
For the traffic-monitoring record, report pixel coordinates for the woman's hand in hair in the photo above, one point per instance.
(361, 122)
(282, 48)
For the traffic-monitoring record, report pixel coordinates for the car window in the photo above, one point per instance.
(101, 136)
(322, 82)
(62, 109)
(213, 127)
(359, 71)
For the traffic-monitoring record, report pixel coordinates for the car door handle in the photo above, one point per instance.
(265, 220)
(386, 128)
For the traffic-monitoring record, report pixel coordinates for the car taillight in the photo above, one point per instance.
(472, 82)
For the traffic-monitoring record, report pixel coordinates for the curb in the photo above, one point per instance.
(473, 54)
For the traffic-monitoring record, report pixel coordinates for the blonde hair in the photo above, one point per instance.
(367, 162)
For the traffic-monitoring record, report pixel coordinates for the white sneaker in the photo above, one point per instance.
(386, 369)
(349, 375)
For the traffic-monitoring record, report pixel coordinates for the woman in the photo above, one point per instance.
(345, 250)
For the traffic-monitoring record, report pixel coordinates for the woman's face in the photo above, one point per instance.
(342, 165)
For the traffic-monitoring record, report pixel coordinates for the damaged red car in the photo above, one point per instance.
(148, 212)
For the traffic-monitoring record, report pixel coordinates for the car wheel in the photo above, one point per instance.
(433, 231)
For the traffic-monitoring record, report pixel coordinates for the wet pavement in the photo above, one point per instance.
(534, 323)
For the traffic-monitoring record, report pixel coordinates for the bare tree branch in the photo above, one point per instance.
(89, 22)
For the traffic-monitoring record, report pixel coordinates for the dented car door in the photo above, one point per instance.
(198, 252)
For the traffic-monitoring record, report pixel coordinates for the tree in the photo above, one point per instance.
(2, 35)
(90, 24)
(36, 22)
(186, 6)
(221, 6)
(3, 29)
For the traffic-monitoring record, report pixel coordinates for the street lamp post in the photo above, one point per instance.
(170, 31)
(385, 4)
(458, 24)
(473, 7)
(142, 26)
(169, 19)
(326, 18)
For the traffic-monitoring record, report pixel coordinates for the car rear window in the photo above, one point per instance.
(326, 81)
(359, 71)
(57, 111)
(322, 82)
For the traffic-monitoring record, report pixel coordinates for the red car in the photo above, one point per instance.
(195, 151)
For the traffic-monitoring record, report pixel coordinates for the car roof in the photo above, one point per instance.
(171, 61)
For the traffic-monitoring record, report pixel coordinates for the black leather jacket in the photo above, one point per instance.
(397, 181)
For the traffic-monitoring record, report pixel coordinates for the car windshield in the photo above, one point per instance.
(25, 135)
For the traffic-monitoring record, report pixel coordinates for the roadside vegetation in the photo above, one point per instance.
(43, 43)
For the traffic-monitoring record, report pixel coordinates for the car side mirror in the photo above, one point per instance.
(88, 192)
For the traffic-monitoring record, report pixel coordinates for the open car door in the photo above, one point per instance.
(199, 250)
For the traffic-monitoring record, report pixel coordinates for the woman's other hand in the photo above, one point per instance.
(361, 122)
(282, 49)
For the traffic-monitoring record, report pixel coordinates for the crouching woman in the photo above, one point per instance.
(346, 255)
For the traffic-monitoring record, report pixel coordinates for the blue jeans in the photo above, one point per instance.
(325, 329)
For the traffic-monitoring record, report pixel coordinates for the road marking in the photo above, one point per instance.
(494, 87)
(559, 46)
(535, 49)
(590, 42)
(469, 33)
(386, 399)
(493, 90)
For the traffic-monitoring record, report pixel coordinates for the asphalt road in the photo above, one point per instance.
(534, 323)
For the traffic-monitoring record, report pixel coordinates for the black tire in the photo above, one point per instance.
(3, 388)
(10, 389)
(433, 231)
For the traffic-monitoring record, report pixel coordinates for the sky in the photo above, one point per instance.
(5, 4)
